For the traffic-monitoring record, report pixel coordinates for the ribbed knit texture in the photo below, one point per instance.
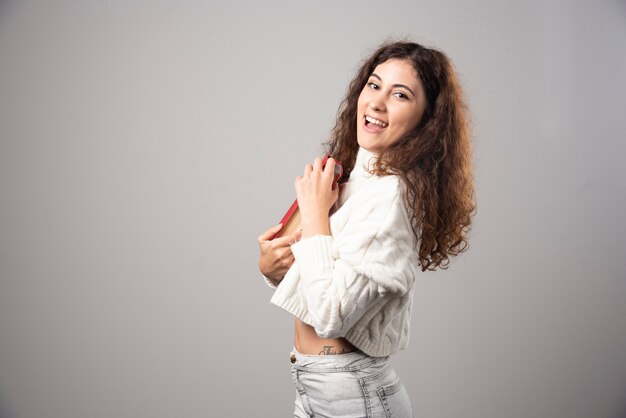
(358, 282)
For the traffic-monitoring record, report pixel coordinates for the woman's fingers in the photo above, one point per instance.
(287, 240)
(274, 260)
(284, 241)
(329, 169)
(330, 165)
(317, 164)
(288, 261)
(296, 236)
(267, 235)
(293, 238)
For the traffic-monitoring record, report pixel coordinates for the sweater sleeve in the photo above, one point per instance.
(373, 257)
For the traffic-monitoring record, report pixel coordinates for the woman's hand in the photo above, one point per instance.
(316, 196)
(276, 256)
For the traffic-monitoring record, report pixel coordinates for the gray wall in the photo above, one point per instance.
(145, 145)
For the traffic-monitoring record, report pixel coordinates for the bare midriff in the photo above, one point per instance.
(307, 341)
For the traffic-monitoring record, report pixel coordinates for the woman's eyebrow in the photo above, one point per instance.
(395, 85)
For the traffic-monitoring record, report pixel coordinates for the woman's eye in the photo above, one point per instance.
(401, 95)
(373, 86)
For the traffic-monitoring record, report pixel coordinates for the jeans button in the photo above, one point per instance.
(292, 358)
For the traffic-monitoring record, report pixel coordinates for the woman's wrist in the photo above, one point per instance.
(318, 225)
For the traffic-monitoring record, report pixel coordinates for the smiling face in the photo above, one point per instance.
(391, 104)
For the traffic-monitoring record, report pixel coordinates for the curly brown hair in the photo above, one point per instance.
(433, 160)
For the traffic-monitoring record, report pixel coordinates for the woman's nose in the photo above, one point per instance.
(376, 103)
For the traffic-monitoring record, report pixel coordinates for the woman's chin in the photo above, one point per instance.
(367, 143)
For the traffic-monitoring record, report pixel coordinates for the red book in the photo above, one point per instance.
(291, 220)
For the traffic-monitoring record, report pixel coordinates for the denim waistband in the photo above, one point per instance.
(353, 360)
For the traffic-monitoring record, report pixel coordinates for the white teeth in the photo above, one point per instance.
(376, 121)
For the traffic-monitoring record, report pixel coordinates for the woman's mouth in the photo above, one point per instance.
(374, 125)
(376, 121)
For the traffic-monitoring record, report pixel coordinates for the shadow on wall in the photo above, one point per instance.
(621, 409)
(5, 409)
(5, 5)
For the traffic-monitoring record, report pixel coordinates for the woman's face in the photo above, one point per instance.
(390, 105)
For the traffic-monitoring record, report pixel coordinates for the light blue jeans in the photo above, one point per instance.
(347, 385)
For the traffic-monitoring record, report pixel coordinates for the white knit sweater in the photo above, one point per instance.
(358, 282)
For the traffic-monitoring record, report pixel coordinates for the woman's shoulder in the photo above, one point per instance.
(376, 208)
(379, 194)
(385, 186)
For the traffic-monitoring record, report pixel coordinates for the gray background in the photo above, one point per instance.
(145, 145)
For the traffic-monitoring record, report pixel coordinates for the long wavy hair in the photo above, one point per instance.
(433, 160)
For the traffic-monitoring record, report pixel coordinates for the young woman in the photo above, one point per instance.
(402, 137)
